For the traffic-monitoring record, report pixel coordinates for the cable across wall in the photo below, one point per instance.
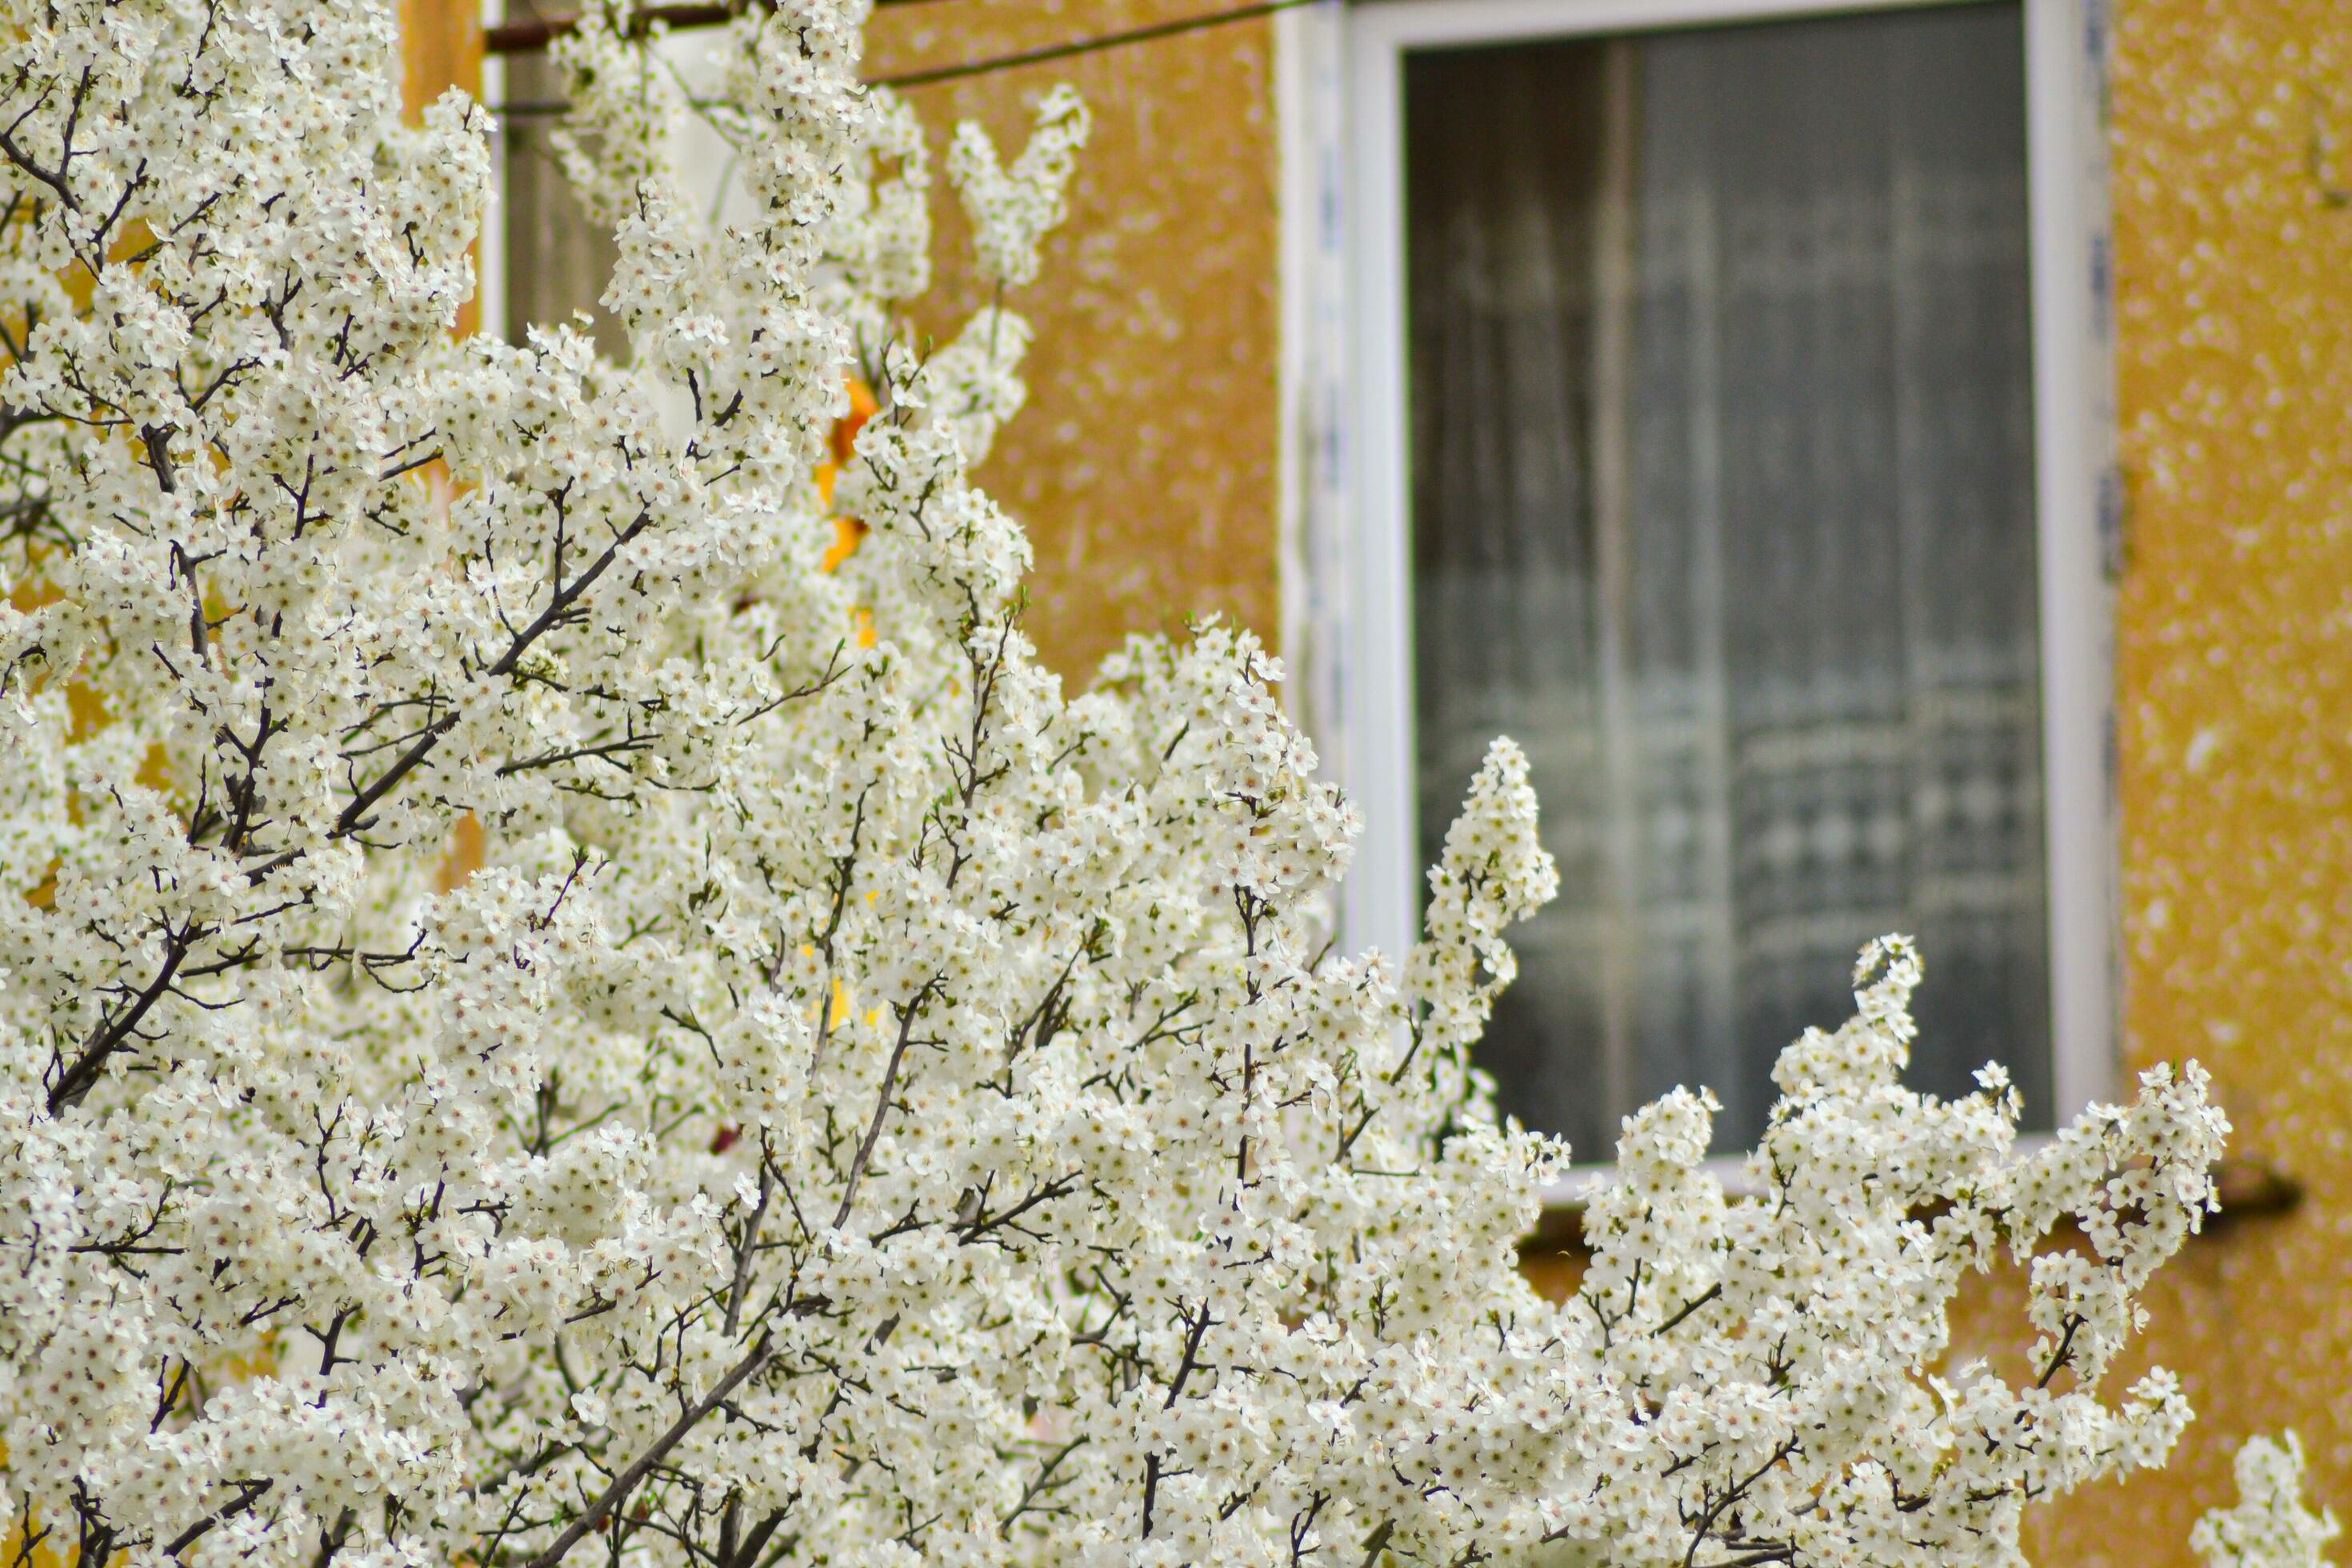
(533, 34)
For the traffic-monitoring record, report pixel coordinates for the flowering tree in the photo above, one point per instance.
(864, 1106)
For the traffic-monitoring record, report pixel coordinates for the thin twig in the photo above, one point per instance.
(744, 1261)
(881, 1105)
(244, 1499)
(1693, 1305)
(75, 1080)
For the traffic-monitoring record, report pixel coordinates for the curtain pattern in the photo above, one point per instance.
(1723, 507)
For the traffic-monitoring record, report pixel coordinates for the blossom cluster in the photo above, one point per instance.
(2268, 1527)
(569, 985)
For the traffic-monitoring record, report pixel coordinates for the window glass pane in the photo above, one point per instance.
(1722, 501)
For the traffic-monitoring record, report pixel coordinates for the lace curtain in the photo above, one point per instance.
(1723, 507)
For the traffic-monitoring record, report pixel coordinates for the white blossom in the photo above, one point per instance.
(1011, 210)
(2268, 1527)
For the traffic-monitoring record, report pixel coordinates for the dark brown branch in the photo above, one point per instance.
(606, 751)
(881, 1104)
(983, 1222)
(741, 1284)
(626, 1481)
(238, 1505)
(559, 608)
(1196, 1329)
(1040, 1485)
(2064, 1355)
(754, 1544)
(1693, 1305)
(1732, 1494)
(77, 1080)
(354, 815)
(410, 466)
(55, 179)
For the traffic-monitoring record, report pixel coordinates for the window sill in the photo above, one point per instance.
(2250, 1188)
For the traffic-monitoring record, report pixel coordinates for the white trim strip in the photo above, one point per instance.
(1376, 645)
(2073, 441)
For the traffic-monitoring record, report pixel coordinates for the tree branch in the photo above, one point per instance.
(238, 1505)
(626, 1481)
(881, 1103)
(77, 1080)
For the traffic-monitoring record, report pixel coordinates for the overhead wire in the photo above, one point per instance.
(536, 33)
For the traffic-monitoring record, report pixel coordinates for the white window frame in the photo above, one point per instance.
(1350, 623)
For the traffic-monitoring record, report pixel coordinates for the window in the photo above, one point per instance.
(1726, 436)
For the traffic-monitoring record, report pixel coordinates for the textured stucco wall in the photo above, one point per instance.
(2233, 238)
(1144, 464)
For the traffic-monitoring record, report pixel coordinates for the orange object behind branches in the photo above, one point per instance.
(848, 532)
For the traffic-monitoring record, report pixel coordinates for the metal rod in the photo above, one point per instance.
(528, 35)
(532, 34)
(1085, 45)
(519, 38)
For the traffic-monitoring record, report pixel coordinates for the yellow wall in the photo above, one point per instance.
(440, 48)
(1144, 465)
(2233, 233)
